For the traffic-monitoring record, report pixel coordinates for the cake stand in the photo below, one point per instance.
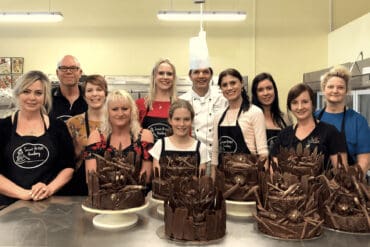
(115, 219)
(240, 209)
(160, 207)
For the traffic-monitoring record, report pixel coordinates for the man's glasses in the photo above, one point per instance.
(66, 68)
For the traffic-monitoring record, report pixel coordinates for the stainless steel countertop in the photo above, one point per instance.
(60, 221)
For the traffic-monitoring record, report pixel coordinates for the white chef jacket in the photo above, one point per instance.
(205, 108)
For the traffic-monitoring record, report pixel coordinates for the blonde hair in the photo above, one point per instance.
(337, 71)
(123, 96)
(27, 80)
(152, 90)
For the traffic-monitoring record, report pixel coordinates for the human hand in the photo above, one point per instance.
(40, 191)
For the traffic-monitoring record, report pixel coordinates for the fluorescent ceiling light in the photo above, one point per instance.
(31, 16)
(196, 16)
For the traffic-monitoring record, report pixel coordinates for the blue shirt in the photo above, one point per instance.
(356, 129)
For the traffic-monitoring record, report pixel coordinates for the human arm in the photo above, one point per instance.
(215, 151)
(252, 123)
(155, 152)
(90, 160)
(147, 163)
(10, 189)
(141, 107)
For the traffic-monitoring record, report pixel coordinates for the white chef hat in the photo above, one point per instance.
(198, 51)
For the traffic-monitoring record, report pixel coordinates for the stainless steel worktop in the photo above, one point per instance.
(60, 221)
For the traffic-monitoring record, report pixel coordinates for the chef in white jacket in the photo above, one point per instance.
(206, 99)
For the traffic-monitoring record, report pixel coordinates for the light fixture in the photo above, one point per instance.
(205, 15)
(31, 16)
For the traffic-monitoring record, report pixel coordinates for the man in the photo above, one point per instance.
(206, 100)
(68, 100)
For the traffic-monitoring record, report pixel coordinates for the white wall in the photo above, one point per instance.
(345, 43)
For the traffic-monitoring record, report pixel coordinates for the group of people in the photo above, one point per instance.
(47, 146)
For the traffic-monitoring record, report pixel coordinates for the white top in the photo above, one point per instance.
(157, 149)
(252, 124)
(205, 108)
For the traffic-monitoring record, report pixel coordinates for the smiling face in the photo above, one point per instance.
(119, 113)
(32, 98)
(335, 90)
(94, 96)
(69, 72)
(181, 122)
(231, 88)
(265, 92)
(201, 79)
(302, 106)
(164, 77)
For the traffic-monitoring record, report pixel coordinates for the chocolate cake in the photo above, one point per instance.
(240, 175)
(345, 199)
(195, 210)
(116, 184)
(288, 204)
(172, 167)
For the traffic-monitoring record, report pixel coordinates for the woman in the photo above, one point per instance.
(265, 96)
(153, 109)
(95, 91)
(121, 131)
(36, 152)
(180, 143)
(352, 125)
(309, 132)
(241, 127)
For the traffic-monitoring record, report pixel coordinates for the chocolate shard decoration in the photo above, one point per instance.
(195, 210)
(115, 185)
(344, 199)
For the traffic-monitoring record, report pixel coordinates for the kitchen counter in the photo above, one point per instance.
(60, 221)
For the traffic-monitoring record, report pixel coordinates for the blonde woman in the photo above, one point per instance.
(153, 109)
(121, 129)
(352, 125)
(36, 152)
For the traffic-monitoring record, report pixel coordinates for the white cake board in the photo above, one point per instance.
(160, 207)
(115, 219)
(240, 209)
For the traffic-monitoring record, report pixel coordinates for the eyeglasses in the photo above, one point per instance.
(66, 68)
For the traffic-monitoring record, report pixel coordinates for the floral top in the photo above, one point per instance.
(77, 129)
(141, 148)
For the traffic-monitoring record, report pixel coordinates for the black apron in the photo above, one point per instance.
(32, 159)
(129, 154)
(168, 156)
(350, 159)
(158, 126)
(230, 138)
(271, 135)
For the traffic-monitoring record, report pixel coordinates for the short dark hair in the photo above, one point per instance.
(296, 90)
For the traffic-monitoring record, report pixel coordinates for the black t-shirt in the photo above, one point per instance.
(62, 109)
(325, 136)
(55, 146)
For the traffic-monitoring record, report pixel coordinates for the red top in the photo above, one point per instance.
(160, 109)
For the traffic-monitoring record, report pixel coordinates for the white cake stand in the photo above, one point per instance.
(115, 219)
(240, 209)
(160, 207)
